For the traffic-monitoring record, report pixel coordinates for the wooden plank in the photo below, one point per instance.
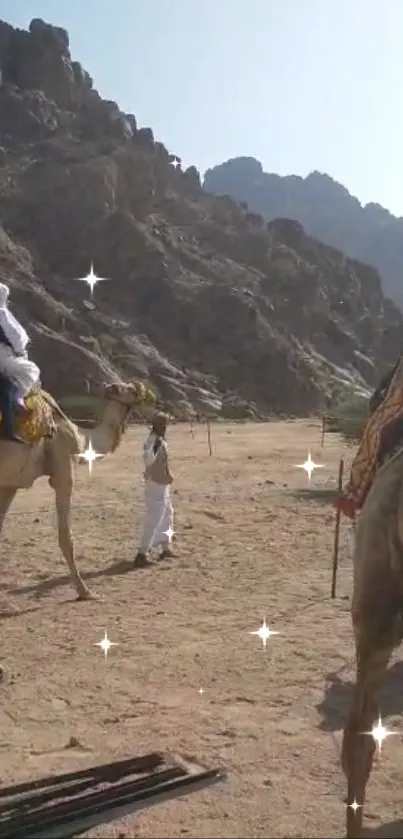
(64, 806)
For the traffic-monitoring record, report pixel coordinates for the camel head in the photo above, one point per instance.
(124, 401)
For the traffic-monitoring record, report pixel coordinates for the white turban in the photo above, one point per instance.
(4, 294)
(14, 332)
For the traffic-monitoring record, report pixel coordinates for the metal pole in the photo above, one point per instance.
(337, 533)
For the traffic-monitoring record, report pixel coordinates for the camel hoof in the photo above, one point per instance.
(88, 595)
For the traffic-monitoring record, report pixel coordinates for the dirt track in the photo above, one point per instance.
(247, 549)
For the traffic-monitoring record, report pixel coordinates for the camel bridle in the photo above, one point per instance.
(128, 408)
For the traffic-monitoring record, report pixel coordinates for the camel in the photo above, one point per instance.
(54, 456)
(377, 618)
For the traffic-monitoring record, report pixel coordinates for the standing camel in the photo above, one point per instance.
(377, 616)
(54, 456)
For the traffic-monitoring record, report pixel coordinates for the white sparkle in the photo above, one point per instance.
(105, 644)
(379, 732)
(90, 456)
(264, 632)
(355, 805)
(169, 533)
(176, 163)
(309, 466)
(92, 279)
(201, 691)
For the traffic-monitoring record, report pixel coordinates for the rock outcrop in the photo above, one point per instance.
(206, 301)
(325, 209)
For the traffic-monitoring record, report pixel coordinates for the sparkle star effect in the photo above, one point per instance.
(201, 691)
(105, 644)
(264, 632)
(92, 279)
(176, 163)
(90, 456)
(309, 466)
(354, 806)
(169, 533)
(379, 732)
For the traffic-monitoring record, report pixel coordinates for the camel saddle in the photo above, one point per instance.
(38, 422)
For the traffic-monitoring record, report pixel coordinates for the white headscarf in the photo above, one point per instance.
(13, 330)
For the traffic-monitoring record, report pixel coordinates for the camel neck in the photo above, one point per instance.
(104, 436)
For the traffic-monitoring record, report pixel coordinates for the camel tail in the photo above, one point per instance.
(67, 427)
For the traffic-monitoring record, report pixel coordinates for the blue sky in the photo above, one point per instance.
(298, 84)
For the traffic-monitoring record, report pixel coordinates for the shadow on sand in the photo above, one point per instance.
(39, 589)
(390, 830)
(322, 495)
(335, 705)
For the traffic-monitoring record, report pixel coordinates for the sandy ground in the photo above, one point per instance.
(250, 546)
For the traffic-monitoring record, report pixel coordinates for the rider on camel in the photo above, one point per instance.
(18, 374)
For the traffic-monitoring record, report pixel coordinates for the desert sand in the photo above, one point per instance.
(251, 543)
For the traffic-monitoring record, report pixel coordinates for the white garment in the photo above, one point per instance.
(159, 516)
(14, 332)
(148, 450)
(24, 374)
(149, 455)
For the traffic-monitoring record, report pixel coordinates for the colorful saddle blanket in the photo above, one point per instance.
(39, 422)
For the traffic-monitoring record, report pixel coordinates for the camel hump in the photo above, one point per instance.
(50, 401)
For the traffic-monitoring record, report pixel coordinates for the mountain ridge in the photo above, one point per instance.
(326, 209)
(220, 312)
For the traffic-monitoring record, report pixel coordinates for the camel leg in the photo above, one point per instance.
(7, 495)
(63, 492)
(358, 748)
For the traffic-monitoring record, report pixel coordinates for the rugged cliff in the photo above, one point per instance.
(204, 300)
(326, 210)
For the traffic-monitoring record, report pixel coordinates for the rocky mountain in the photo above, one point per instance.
(215, 308)
(326, 210)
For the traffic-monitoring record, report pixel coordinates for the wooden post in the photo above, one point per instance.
(337, 533)
(322, 442)
(210, 449)
(192, 429)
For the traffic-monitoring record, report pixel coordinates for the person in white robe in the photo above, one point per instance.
(158, 518)
(14, 362)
